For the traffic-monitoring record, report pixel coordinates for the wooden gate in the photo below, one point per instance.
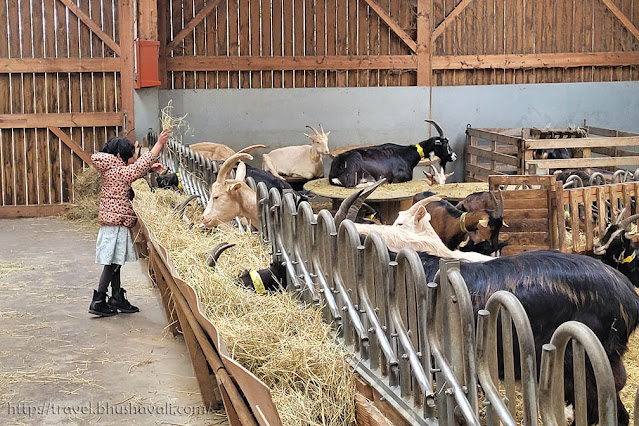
(66, 79)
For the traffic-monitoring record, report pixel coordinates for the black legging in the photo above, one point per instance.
(110, 274)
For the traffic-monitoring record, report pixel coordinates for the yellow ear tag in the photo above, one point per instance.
(257, 282)
(483, 222)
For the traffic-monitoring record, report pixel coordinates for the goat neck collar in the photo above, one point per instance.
(314, 158)
(630, 258)
(257, 282)
(420, 151)
(626, 259)
(462, 221)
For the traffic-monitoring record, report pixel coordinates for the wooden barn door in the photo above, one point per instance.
(66, 86)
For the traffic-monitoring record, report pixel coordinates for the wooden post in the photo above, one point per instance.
(163, 38)
(127, 87)
(148, 19)
(424, 42)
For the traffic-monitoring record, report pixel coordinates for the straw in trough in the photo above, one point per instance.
(284, 344)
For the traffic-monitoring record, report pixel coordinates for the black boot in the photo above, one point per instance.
(118, 301)
(99, 305)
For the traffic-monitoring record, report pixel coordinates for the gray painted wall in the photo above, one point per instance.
(277, 117)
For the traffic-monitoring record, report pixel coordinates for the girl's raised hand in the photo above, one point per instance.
(163, 138)
(157, 167)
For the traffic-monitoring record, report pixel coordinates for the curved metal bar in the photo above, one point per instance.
(374, 306)
(622, 176)
(465, 307)
(323, 258)
(303, 245)
(265, 227)
(597, 179)
(573, 181)
(408, 262)
(345, 279)
(551, 382)
(487, 358)
(251, 183)
(445, 376)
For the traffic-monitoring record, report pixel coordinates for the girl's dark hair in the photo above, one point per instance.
(122, 146)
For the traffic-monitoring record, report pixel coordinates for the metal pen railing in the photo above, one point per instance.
(416, 342)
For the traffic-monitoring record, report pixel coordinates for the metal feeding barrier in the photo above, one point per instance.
(416, 342)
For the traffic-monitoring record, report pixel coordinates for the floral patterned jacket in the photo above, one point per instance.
(115, 206)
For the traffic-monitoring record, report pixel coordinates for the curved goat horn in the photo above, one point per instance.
(351, 205)
(313, 129)
(179, 210)
(436, 126)
(597, 179)
(500, 207)
(624, 224)
(620, 216)
(250, 148)
(321, 128)
(215, 253)
(636, 174)
(226, 168)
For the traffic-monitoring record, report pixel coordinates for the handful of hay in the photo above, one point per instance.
(284, 344)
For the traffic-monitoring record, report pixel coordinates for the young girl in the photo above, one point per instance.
(118, 168)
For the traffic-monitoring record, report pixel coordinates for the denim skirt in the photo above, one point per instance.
(114, 246)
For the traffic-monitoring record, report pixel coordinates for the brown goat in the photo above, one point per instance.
(453, 225)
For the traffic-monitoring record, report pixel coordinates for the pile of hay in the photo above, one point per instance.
(86, 187)
(284, 344)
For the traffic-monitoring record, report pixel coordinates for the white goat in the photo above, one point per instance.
(303, 161)
(438, 176)
(411, 229)
(217, 151)
(231, 197)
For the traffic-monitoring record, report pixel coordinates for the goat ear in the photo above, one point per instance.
(328, 133)
(504, 224)
(483, 222)
(233, 187)
(421, 214)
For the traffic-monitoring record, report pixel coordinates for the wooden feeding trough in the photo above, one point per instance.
(511, 151)
(221, 379)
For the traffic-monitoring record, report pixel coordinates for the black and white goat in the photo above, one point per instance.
(391, 161)
(617, 250)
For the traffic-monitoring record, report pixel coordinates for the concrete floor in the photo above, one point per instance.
(66, 366)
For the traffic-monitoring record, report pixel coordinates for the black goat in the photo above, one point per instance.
(552, 154)
(168, 180)
(261, 281)
(556, 287)
(617, 250)
(391, 161)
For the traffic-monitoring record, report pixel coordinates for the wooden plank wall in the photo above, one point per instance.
(357, 43)
(589, 210)
(275, 28)
(36, 167)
